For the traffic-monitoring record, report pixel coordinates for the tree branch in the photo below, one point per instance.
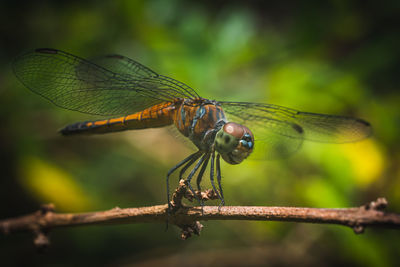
(187, 218)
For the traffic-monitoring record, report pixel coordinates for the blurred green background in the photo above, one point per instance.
(338, 57)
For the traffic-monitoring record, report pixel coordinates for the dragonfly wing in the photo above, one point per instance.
(78, 84)
(131, 68)
(123, 65)
(282, 130)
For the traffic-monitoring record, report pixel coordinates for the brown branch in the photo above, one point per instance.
(40, 222)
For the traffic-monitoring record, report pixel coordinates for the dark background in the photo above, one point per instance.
(339, 57)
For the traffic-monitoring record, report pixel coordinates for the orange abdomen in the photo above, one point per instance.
(156, 116)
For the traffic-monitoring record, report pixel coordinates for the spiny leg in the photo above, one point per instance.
(212, 174)
(200, 176)
(192, 173)
(219, 181)
(194, 155)
(183, 170)
(202, 170)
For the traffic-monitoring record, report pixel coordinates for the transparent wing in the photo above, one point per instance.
(281, 131)
(126, 66)
(111, 85)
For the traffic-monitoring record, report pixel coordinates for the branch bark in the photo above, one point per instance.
(187, 218)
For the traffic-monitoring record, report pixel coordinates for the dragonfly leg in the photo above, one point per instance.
(177, 166)
(202, 170)
(219, 181)
(188, 165)
(212, 175)
(200, 176)
(193, 172)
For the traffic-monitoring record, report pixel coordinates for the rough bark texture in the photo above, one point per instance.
(187, 218)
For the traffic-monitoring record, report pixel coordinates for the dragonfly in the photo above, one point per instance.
(133, 96)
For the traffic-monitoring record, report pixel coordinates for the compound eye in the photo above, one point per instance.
(234, 142)
(247, 137)
(234, 129)
(247, 144)
(247, 141)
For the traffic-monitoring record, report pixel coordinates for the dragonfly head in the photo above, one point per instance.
(234, 142)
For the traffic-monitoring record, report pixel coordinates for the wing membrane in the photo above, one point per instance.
(282, 130)
(111, 85)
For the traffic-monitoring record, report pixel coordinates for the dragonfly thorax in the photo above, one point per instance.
(234, 142)
(199, 120)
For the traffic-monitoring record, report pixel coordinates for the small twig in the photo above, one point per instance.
(188, 227)
(208, 194)
(40, 222)
(183, 192)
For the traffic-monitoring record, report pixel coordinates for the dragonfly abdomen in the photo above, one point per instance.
(156, 116)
